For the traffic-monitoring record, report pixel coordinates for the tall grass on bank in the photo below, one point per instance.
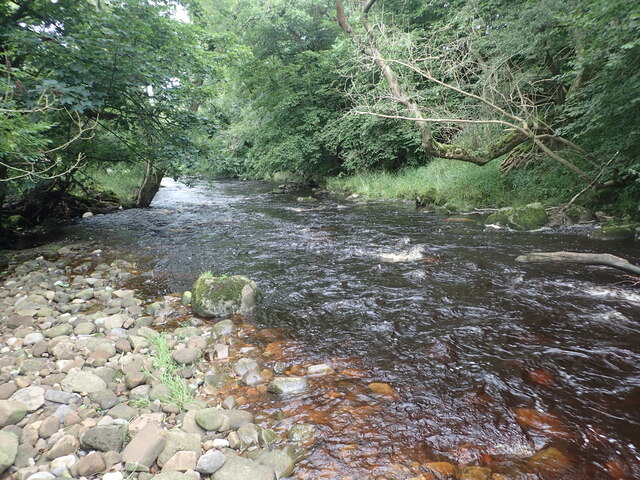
(122, 180)
(463, 186)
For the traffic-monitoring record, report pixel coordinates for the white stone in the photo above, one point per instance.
(220, 443)
(113, 476)
(87, 215)
(33, 338)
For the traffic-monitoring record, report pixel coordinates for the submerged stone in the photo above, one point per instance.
(288, 385)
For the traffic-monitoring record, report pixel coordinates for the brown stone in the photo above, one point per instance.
(89, 465)
(50, 425)
(474, 473)
(549, 461)
(145, 446)
(123, 345)
(181, 462)
(541, 421)
(441, 469)
(380, 388)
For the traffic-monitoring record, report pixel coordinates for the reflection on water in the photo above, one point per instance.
(490, 360)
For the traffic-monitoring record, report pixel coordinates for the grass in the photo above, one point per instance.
(120, 179)
(167, 367)
(463, 186)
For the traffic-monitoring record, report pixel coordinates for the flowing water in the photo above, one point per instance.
(490, 360)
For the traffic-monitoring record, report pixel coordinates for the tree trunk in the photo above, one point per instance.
(150, 185)
(605, 259)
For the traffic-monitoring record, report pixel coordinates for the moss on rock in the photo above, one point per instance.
(218, 296)
(613, 232)
(529, 217)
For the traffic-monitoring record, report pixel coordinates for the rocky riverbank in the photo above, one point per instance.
(95, 384)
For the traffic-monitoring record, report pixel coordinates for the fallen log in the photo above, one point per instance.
(605, 259)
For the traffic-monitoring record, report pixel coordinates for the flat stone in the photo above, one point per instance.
(85, 328)
(181, 462)
(8, 450)
(104, 438)
(58, 331)
(32, 397)
(58, 396)
(288, 386)
(16, 321)
(301, 433)
(177, 441)
(93, 344)
(249, 435)
(145, 446)
(177, 476)
(49, 426)
(212, 419)
(245, 365)
(89, 465)
(319, 369)
(186, 356)
(281, 463)
(42, 476)
(123, 411)
(225, 327)
(7, 389)
(106, 399)
(83, 382)
(60, 466)
(239, 468)
(11, 412)
(64, 446)
(210, 462)
(33, 338)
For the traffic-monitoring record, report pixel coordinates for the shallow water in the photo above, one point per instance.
(465, 335)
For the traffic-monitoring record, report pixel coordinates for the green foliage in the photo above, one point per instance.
(180, 393)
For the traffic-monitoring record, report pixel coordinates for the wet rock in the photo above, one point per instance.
(32, 397)
(529, 217)
(440, 469)
(541, 421)
(245, 365)
(145, 446)
(89, 465)
(8, 450)
(238, 468)
(83, 382)
(251, 378)
(320, 369)
(177, 441)
(218, 296)
(181, 462)
(549, 461)
(210, 462)
(64, 446)
(474, 473)
(303, 433)
(11, 412)
(288, 386)
(104, 438)
(229, 402)
(212, 419)
(380, 388)
(224, 327)
(186, 356)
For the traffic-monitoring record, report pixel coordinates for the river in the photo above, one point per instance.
(472, 342)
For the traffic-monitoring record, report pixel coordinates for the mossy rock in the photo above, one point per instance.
(219, 296)
(613, 233)
(529, 217)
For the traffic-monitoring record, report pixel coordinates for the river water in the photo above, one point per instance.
(472, 342)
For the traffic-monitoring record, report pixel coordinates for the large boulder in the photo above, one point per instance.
(218, 296)
(529, 217)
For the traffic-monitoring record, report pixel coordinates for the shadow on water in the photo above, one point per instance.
(473, 343)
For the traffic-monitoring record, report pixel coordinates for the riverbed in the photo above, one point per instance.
(472, 342)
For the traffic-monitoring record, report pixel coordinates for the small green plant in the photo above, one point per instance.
(167, 367)
(142, 402)
(207, 274)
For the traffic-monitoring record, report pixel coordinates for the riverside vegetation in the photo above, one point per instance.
(471, 103)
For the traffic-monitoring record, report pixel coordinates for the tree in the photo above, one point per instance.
(461, 80)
